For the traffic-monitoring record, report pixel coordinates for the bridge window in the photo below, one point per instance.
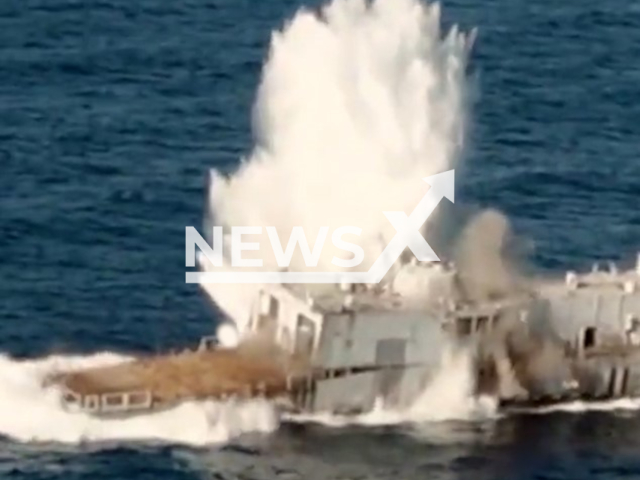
(464, 326)
(274, 307)
(483, 324)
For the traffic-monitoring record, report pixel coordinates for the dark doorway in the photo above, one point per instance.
(589, 337)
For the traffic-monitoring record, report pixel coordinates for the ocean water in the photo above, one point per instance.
(113, 112)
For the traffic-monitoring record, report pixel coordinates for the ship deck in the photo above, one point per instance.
(188, 375)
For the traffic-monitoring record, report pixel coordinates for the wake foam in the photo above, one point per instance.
(578, 406)
(31, 413)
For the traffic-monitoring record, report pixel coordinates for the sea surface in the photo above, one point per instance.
(112, 112)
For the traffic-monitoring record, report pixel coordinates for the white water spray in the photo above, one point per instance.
(357, 104)
(31, 413)
(448, 396)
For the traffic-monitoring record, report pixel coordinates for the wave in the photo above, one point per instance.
(30, 412)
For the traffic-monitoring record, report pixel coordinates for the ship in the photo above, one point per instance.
(349, 348)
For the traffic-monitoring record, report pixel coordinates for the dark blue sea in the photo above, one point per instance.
(112, 113)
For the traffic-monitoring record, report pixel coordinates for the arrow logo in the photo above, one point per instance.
(407, 236)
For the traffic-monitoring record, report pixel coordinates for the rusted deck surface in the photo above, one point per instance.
(200, 374)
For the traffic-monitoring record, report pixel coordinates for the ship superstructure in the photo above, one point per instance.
(346, 348)
(554, 340)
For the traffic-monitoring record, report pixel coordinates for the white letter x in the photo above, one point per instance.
(408, 229)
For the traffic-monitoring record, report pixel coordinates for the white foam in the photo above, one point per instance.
(449, 396)
(579, 406)
(31, 413)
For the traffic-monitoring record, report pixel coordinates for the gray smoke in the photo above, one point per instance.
(482, 256)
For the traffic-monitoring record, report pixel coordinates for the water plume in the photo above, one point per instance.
(358, 102)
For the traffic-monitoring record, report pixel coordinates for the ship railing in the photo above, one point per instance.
(627, 283)
(70, 397)
(112, 402)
